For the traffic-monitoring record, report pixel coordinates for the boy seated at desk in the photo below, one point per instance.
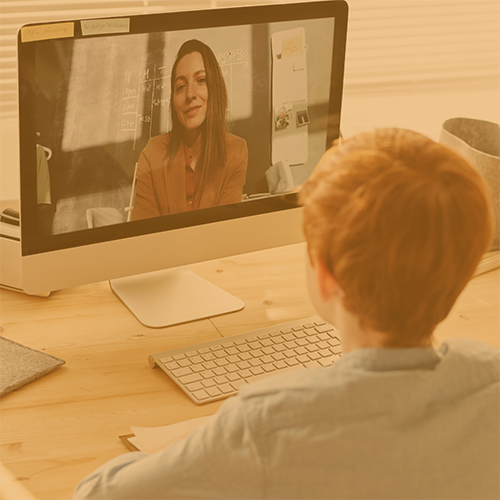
(396, 225)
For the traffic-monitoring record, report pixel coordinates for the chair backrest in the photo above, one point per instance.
(11, 488)
(103, 216)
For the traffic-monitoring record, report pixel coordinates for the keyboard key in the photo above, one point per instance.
(207, 357)
(179, 356)
(172, 365)
(255, 345)
(194, 377)
(266, 342)
(279, 347)
(226, 388)
(196, 359)
(201, 395)
(327, 361)
(243, 348)
(184, 362)
(256, 362)
(280, 365)
(191, 353)
(209, 365)
(221, 362)
(221, 380)
(213, 392)
(204, 350)
(314, 355)
(208, 374)
(291, 361)
(219, 371)
(232, 377)
(198, 368)
(180, 372)
(232, 351)
(301, 350)
(256, 370)
(303, 358)
(323, 328)
(288, 337)
(209, 382)
(167, 359)
(278, 356)
(245, 373)
(244, 356)
(231, 368)
(268, 350)
(237, 384)
(195, 386)
(242, 365)
(269, 367)
(216, 348)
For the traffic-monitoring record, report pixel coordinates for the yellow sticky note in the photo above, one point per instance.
(47, 32)
(292, 46)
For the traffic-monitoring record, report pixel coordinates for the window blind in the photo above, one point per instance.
(15, 13)
(393, 45)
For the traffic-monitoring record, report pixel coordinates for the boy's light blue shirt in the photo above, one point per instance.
(381, 423)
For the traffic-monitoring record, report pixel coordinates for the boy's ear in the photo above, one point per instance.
(327, 284)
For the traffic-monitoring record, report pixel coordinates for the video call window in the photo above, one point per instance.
(150, 125)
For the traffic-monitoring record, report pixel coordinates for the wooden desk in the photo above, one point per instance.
(59, 428)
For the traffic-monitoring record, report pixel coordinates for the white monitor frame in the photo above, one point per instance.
(53, 262)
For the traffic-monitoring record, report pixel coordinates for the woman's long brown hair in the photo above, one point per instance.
(213, 152)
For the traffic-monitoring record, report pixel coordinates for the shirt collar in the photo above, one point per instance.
(389, 359)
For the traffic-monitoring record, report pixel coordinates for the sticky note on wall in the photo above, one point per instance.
(292, 46)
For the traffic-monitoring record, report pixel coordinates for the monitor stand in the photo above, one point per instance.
(168, 297)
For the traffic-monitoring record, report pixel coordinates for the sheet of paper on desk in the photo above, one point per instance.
(151, 439)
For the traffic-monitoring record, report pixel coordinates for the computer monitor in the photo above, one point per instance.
(102, 200)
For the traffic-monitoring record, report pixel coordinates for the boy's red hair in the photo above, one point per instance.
(401, 223)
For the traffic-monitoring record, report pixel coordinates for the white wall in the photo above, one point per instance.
(9, 159)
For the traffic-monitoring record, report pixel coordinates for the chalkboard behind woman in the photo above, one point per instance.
(198, 164)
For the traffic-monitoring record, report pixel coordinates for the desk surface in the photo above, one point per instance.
(59, 428)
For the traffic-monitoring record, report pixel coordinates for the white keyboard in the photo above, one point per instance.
(217, 369)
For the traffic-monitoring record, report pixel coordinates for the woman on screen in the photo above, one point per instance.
(198, 164)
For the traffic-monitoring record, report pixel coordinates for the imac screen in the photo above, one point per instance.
(144, 124)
